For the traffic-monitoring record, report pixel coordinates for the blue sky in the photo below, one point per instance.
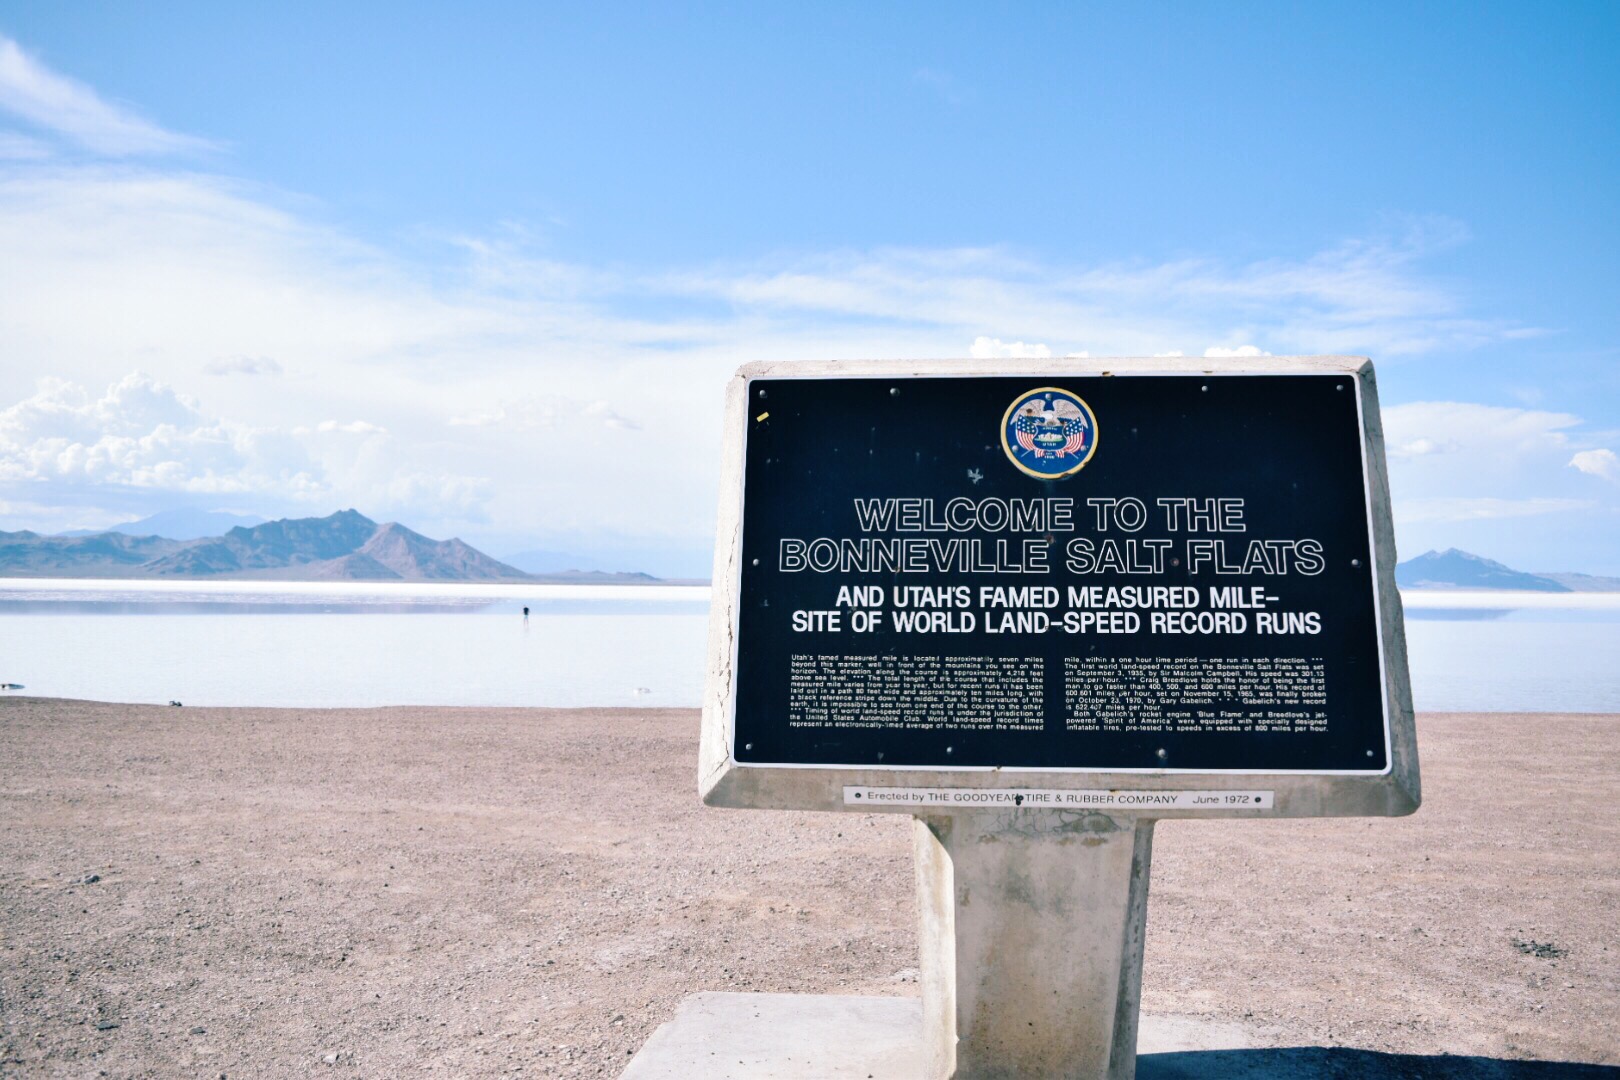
(436, 263)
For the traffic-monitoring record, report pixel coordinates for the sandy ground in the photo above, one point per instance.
(203, 892)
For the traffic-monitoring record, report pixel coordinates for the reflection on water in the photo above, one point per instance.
(296, 658)
(297, 605)
(354, 644)
(1515, 664)
(210, 607)
(280, 645)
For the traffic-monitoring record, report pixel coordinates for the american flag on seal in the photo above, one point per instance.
(1036, 428)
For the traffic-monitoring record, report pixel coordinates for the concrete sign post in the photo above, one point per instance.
(1031, 941)
(1039, 606)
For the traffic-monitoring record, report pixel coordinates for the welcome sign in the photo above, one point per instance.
(1104, 568)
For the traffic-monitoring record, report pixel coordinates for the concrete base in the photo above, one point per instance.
(1030, 942)
(785, 1037)
(827, 1037)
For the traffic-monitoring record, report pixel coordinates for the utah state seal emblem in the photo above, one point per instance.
(1049, 433)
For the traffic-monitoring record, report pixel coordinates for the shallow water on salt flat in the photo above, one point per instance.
(318, 645)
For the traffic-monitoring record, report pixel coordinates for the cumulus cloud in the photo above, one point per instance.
(74, 111)
(141, 434)
(1600, 463)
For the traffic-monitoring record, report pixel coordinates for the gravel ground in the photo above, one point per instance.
(254, 893)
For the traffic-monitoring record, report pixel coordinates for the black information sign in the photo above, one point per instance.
(1153, 572)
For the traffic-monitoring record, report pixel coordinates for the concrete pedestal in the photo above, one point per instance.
(1032, 924)
(1031, 934)
(785, 1037)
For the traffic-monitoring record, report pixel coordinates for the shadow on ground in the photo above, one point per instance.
(1339, 1063)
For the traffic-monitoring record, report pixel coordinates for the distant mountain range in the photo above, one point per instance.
(346, 546)
(1454, 569)
(178, 525)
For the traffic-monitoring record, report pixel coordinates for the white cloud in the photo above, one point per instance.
(1601, 463)
(1455, 467)
(492, 367)
(1485, 508)
(442, 494)
(988, 348)
(243, 365)
(496, 382)
(1419, 447)
(353, 427)
(14, 147)
(70, 109)
(525, 371)
(197, 269)
(1356, 297)
(141, 434)
(604, 412)
(489, 418)
(142, 440)
(535, 412)
(1479, 432)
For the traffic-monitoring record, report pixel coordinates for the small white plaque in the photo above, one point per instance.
(1055, 798)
